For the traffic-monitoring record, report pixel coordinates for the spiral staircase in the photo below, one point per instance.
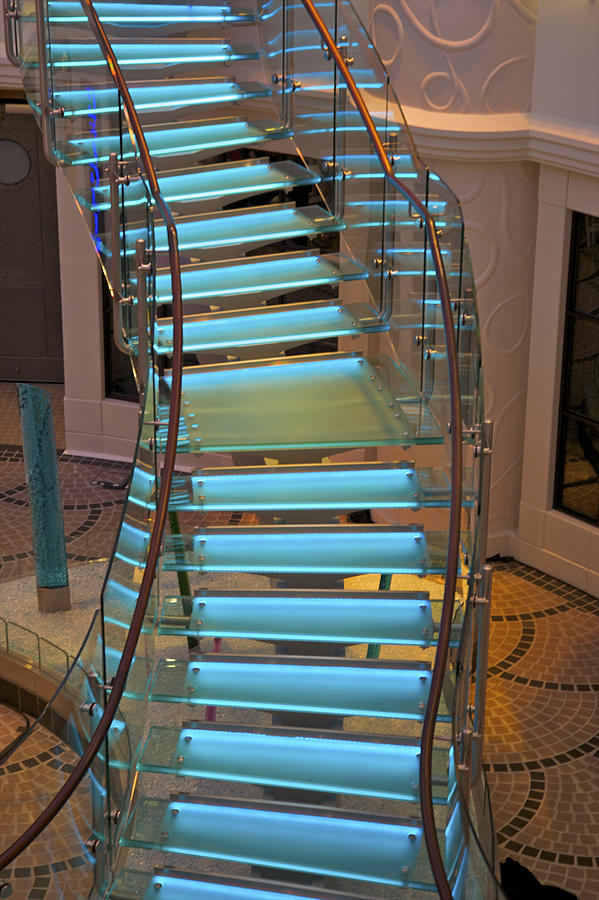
(279, 698)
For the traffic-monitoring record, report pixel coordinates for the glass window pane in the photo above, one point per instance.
(582, 392)
(579, 470)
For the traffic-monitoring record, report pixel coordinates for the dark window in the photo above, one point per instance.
(577, 469)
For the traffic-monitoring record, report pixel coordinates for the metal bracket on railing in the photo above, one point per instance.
(46, 106)
(483, 449)
(11, 45)
(116, 178)
(482, 610)
(143, 268)
(342, 44)
(465, 742)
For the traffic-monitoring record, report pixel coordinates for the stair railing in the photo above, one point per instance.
(438, 674)
(155, 541)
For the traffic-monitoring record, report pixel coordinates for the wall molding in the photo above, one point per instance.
(504, 137)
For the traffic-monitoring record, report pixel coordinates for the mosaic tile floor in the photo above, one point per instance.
(542, 745)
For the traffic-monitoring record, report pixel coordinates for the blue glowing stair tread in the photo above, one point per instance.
(82, 55)
(179, 140)
(301, 684)
(173, 884)
(253, 275)
(158, 96)
(265, 223)
(336, 616)
(368, 165)
(359, 486)
(132, 13)
(290, 836)
(292, 323)
(207, 182)
(274, 756)
(357, 549)
(328, 401)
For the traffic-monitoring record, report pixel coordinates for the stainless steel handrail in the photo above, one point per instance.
(137, 620)
(426, 795)
(11, 17)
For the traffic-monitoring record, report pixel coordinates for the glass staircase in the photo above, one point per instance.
(280, 695)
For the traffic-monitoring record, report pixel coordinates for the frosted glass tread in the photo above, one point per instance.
(358, 550)
(330, 402)
(282, 487)
(183, 885)
(300, 761)
(369, 690)
(141, 14)
(178, 140)
(254, 275)
(242, 227)
(73, 55)
(159, 96)
(269, 326)
(345, 617)
(284, 836)
(206, 182)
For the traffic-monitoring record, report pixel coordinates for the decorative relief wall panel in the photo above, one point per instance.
(499, 202)
(458, 56)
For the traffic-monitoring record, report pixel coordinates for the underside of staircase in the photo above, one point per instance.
(268, 742)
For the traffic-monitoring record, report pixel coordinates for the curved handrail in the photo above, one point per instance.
(426, 794)
(137, 620)
(7, 752)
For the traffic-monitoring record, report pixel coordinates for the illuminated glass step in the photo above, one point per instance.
(218, 133)
(356, 549)
(148, 98)
(349, 486)
(345, 617)
(132, 13)
(75, 55)
(219, 180)
(289, 836)
(311, 401)
(274, 272)
(173, 884)
(297, 683)
(398, 213)
(367, 165)
(309, 760)
(242, 226)
(292, 323)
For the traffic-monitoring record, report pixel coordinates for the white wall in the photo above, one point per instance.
(497, 94)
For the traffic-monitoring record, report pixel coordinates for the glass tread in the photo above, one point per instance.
(263, 223)
(286, 836)
(211, 181)
(259, 274)
(328, 486)
(133, 884)
(147, 98)
(178, 140)
(312, 401)
(289, 324)
(284, 757)
(357, 549)
(73, 55)
(345, 617)
(301, 684)
(133, 13)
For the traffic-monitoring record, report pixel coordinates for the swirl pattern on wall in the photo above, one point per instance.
(460, 56)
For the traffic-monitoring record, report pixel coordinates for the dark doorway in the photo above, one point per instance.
(31, 333)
